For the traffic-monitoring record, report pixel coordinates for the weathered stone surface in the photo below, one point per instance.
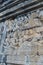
(21, 40)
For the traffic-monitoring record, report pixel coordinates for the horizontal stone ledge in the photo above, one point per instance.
(12, 2)
(6, 3)
(14, 15)
(11, 5)
(19, 7)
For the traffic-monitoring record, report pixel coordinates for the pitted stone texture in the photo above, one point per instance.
(21, 40)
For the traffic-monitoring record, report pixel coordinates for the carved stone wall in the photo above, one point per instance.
(21, 40)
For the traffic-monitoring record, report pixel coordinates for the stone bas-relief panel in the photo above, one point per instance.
(21, 40)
